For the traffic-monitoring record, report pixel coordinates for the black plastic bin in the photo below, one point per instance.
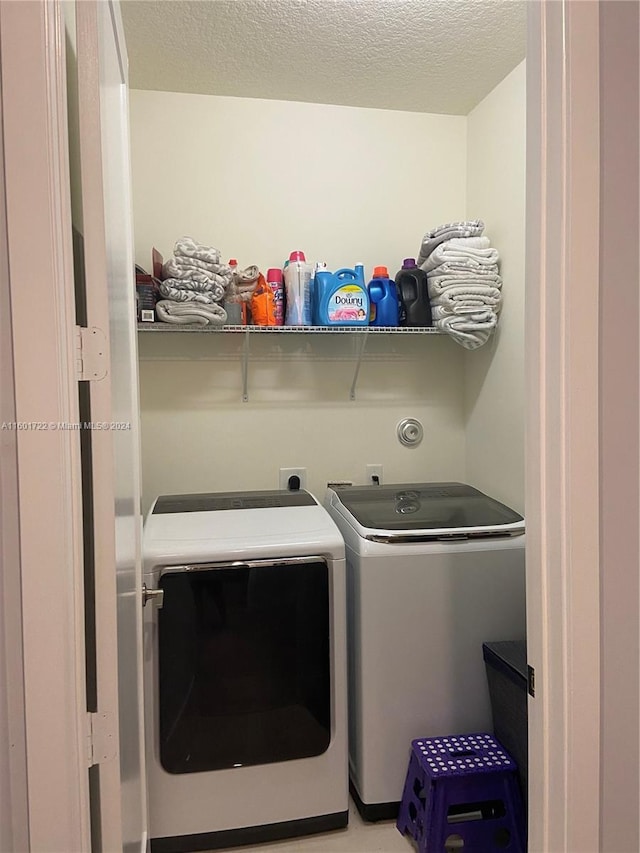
(506, 666)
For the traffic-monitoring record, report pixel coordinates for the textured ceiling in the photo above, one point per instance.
(436, 56)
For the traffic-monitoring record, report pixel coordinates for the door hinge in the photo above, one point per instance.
(91, 353)
(531, 681)
(101, 743)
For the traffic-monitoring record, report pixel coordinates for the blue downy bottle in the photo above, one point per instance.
(383, 296)
(342, 297)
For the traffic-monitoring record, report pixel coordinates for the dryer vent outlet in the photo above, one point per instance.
(293, 479)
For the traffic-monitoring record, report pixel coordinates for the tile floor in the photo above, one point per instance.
(358, 837)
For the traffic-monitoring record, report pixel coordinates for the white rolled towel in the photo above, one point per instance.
(457, 300)
(190, 248)
(178, 262)
(220, 277)
(437, 285)
(469, 333)
(477, 313)
(433, 238)
(470, 266)
(179, 290)
(183, 313)
(477, 249)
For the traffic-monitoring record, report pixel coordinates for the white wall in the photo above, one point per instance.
(494, 381)
(258, 179)
(198, 436)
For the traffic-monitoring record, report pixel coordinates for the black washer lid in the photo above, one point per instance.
(231, 500)
(424, 506)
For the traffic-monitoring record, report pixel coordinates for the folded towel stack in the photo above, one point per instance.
(463, 281)
(194, 285)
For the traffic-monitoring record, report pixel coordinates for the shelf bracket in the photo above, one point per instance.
(361, 344)
(245, 366)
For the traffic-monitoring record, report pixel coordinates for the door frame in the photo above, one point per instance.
(63, 741)
(561, 443)
(48, 464)
(14, 833)
(562, 429)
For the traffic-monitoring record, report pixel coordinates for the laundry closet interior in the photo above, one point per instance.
(334, 140)
(259, 178)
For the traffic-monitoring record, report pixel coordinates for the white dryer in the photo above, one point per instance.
(433, 571)
(245, 669)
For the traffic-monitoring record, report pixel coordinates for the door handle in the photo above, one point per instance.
(156, 595)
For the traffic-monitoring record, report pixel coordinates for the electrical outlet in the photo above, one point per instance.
(287, 473)
(374, 471)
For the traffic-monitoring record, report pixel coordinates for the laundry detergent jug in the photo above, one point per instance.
(383, 297)
(298, 290)
(415, 307)
(342, 297)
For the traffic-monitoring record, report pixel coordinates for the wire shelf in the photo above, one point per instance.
(295, 330)
(360, 336)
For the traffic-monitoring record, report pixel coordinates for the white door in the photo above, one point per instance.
(70, 387)
(103, 122)
(74, 573)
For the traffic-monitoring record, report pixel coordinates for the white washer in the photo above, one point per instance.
(433, 571)
(245, 669)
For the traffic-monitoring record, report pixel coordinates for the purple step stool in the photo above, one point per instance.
(462, 791)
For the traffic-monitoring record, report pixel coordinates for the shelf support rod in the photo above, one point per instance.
(362, 342)
(245, 367)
